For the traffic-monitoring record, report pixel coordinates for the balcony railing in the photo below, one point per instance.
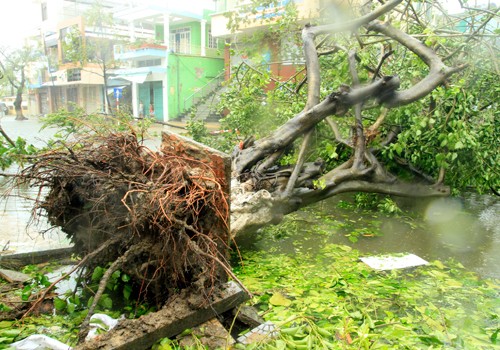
(195, 50)
(203, 92)
(122, 51)
(230, 5)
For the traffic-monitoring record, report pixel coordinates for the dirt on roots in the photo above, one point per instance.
(156, 216)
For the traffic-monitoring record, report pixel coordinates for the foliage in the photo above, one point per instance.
(330, 300)
(14, 153)
(62, 328)
(70, 124)
(224, 141)
(119, 297)
(451, 134)
(77, 122)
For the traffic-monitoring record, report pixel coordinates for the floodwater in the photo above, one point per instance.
(465, 229)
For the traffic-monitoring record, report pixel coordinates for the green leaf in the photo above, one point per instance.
(125, 277)
(279, 299)
(106, 302)
(127, 290)
(494, 336)
(97, 274)
(438, 264)
(6, 324)
(71, 308)
(59, 304)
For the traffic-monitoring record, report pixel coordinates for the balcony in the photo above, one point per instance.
(257, 18)
(139, 52)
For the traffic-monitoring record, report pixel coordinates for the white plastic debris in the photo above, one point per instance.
(100, 321)
(39, 342)
(390, 262)
(265, 331)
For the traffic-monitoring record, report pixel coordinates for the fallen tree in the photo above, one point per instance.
(157, 216)
(264, 189)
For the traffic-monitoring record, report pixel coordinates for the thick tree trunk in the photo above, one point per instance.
(18, 105)
(19, 98)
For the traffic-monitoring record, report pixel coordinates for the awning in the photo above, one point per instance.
(135, 78)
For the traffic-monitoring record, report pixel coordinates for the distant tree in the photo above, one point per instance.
(98, 48)
(14, 64)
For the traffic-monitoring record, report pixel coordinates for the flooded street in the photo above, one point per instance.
(465, 229)
(16, 236)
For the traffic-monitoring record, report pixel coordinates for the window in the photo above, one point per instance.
(44, 11)
(212, 42)
(74, 74)
(149, 63)
(180, 40)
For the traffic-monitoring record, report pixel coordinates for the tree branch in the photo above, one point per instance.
(335, 104)
(357, 23)
(359, 144)
(438, 71)
(397, 189)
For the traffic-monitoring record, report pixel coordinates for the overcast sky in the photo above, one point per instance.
(17, 20)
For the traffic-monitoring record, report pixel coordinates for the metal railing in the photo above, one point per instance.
(202, 93)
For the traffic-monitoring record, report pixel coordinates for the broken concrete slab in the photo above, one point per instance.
(14, 276)
(36, 257)
(174, 318)
(248, 315)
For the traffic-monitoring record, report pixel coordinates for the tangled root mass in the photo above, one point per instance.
(162, 217)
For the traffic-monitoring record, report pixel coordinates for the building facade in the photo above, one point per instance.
(170, 76)
(282, 57)
(149, 60)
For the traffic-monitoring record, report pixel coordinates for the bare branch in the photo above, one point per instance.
(438, 71)
(335, 104)
(360, 135)
(337, 133)
(6, 136)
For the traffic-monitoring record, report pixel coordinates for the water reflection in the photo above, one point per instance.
(465, 229)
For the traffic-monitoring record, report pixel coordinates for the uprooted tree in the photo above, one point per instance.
(161, 217)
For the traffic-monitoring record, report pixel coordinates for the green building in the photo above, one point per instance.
(166, 78)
